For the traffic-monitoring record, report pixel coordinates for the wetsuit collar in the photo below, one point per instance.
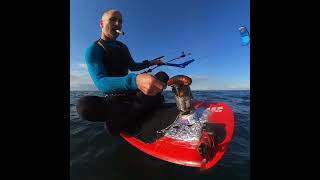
(112, 43)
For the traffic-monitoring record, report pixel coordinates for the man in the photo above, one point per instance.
(128, 95)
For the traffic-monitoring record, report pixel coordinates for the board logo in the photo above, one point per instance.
(217, 109)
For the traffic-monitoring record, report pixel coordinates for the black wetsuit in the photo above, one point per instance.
(108, 63)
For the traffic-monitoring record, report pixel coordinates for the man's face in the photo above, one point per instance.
(110, 23)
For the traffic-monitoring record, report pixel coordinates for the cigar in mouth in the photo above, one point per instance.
(120, 32)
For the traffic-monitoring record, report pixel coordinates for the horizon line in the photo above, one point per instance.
(191, 90)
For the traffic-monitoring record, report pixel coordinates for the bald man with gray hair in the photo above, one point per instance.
(110, 22)
(127, 95)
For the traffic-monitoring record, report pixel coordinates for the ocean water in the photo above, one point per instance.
(96, 156)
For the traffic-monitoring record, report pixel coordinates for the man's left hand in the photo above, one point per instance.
(156, 62)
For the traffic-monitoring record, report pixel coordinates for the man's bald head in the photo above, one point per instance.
(111, 21)
(109, 12)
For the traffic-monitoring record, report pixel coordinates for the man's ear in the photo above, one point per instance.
(101, 23)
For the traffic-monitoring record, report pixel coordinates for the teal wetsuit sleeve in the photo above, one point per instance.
(99, 75)
(133, 66)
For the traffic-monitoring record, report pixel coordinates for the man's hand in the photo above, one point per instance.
(156, 62)
(149, 85)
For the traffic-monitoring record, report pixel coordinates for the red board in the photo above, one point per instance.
(184, 153)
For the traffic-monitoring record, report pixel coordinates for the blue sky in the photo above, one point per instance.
(206, 28)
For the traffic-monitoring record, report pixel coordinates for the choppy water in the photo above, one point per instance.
(96, 156)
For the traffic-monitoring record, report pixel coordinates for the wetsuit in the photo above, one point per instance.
(108, 63)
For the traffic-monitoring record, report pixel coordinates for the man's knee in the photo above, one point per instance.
(86, 107)
(162, 76)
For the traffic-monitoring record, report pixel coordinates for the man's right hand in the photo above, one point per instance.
(149, 85)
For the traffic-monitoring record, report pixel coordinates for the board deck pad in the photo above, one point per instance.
(157, 136)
